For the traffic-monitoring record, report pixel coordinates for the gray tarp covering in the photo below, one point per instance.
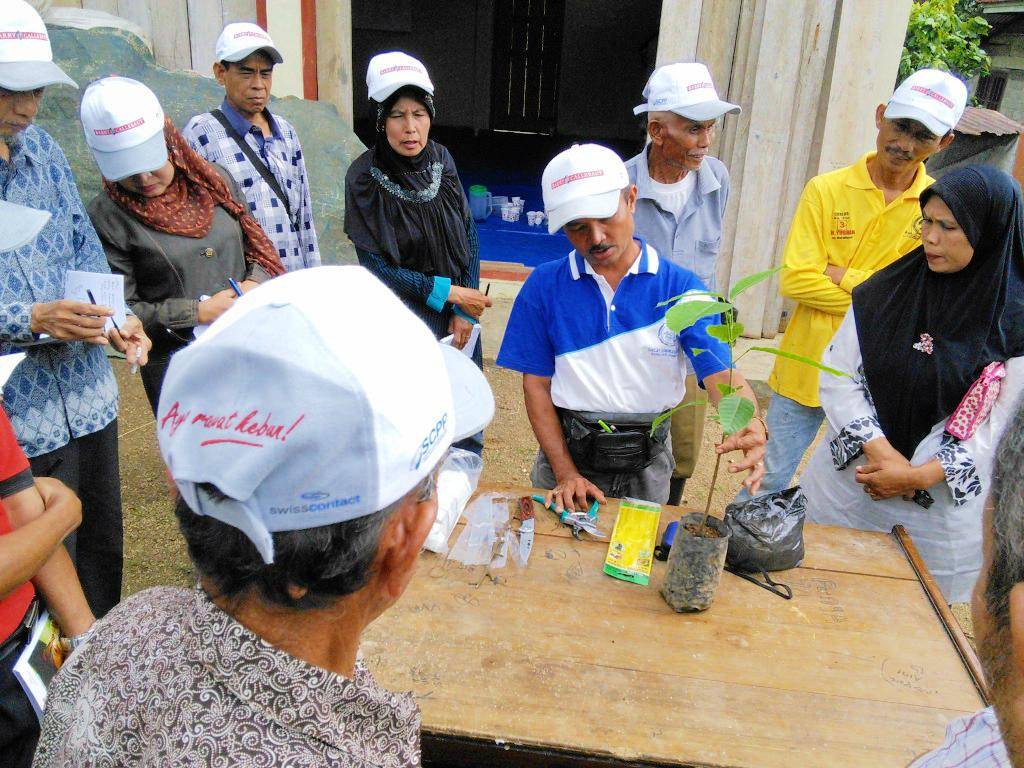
(986, 149)
(328, 144)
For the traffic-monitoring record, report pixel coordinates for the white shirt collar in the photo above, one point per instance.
(646, 261)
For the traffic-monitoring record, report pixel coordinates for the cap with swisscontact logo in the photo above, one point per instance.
(686, 89)
(124, 127)
(26, 58)
(242, 39)
(302, 422)
(934, 98)
(387, 72)
(583, 182)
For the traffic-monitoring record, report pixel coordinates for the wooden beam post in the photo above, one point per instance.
(677, 33)
(334, 55)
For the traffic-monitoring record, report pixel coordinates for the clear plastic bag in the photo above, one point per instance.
(482, 541)
(489, 538)
(456, 482)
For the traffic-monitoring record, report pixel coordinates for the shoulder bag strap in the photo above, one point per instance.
(255, 160)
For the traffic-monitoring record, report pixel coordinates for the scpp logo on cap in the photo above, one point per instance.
(428, 443)
(575, 177)
(933, 94)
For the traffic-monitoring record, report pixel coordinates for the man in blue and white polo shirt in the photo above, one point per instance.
(598, 362)
(261, 151)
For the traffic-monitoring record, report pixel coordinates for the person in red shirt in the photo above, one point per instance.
(35, 517)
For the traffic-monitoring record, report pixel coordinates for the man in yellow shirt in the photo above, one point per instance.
(849, 224)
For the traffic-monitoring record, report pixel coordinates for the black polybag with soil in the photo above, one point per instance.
(766, 534)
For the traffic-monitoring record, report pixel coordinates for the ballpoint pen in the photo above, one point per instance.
(138, 350)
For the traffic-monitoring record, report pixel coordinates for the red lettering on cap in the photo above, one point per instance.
(933, 94)
(19, 35)
(173, 418)
(575, 177)
(251, 33)
(698, 86)
(400, 68)
(120, 128)
(253, 429)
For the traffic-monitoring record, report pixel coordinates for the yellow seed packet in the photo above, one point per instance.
(631, 549)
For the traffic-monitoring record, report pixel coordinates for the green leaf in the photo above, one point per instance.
(697, 351)
(751, 280)
(726, 390)
(801, 359)
(945, 35)
(663, 417)
(728, 332)
(686, 313)
(689, 294)
(734, 413)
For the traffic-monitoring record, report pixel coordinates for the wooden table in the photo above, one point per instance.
(561, 665)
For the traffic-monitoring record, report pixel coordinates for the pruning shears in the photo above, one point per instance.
(577, 520)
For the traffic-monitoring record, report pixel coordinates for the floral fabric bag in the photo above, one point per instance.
(977, 403)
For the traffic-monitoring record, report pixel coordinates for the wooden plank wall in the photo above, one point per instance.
(790, 64)
(183, 32)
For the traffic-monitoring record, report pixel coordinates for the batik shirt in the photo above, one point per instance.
(169, 679)
(65, 390)
(294, 238)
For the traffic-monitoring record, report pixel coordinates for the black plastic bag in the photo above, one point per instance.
(767, 534)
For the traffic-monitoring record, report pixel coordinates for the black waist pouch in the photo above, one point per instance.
(627, 450)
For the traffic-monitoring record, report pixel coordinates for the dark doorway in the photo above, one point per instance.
(525, 73)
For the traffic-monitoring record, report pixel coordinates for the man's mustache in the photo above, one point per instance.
(899, 153)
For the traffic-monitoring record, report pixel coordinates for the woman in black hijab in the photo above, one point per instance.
(405, 209)
(920, 334)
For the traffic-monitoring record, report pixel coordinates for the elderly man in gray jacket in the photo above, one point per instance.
(681, 197)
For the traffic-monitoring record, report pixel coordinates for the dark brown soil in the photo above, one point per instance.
(702, 531)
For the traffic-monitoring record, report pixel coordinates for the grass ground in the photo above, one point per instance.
(155, 553)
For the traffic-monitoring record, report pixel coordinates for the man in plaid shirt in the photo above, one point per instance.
(270, 169)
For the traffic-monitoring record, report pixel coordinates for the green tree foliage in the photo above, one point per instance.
(943, 34)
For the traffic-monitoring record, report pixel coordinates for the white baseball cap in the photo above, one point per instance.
(304, 414)
(390, 71)
(26, 58)
(19, 225)
(687, 90)
(934, 98)
(242, 39)
(124, 127)
(583, 182)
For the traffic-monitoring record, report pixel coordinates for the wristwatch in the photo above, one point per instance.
(79, 640)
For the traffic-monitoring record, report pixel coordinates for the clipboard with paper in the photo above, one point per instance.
(106, 290)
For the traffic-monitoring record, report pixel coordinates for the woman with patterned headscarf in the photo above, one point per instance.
(934, 345)
(176, 226)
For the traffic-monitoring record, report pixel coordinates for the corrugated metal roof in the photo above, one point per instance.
(977, 120)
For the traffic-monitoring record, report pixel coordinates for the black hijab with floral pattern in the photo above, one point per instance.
(410, 210)
(926, 336)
